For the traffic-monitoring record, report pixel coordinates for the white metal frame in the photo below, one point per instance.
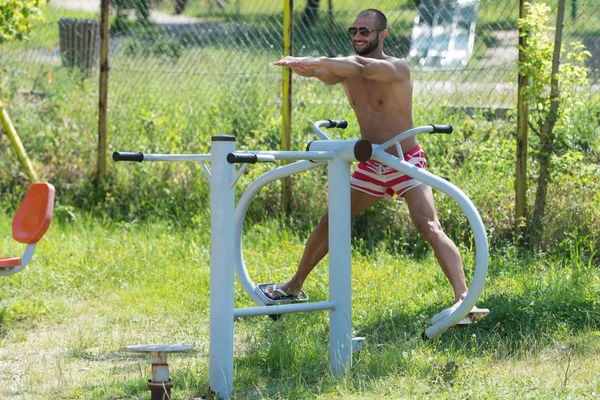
(479, 234)
(226, 241)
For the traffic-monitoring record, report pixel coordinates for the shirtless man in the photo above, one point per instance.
(379, 89)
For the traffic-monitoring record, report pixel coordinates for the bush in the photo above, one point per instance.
(16, 17)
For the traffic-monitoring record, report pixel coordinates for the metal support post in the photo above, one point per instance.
(340, 260)
(222, 206)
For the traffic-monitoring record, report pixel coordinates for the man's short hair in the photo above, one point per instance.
(378, 16)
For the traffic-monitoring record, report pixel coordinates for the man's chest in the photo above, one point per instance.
(364, 94)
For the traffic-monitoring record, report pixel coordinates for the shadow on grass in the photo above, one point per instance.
(292, 358)
(515, 324)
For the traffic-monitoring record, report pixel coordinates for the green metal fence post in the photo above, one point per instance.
(286, 112)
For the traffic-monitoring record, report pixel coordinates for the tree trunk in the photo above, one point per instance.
(310, 13)
(541, 193)
(180, 6)
(143, 10)
(546, 134)
(103, 94)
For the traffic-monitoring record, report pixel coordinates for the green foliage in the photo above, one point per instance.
(162, 47)
(551, 94)
(141, 8)
(537, 66)
(16, 17)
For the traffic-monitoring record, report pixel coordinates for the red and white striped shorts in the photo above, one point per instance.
(379, 180)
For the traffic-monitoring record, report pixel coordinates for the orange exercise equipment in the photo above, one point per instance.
(30, 224)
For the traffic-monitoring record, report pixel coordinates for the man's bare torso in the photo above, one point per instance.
(383, 110)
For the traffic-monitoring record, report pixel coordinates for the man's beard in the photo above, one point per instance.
(367, 50)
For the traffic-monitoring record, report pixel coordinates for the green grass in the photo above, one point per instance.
(95, 287)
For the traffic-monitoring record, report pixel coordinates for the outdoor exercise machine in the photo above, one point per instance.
(30, 224)
(226, 237)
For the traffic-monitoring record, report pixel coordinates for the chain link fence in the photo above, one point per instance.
(209, 67)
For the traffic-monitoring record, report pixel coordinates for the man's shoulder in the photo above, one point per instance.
(401, 66)
(400, 62)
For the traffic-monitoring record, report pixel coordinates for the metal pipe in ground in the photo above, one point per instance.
(160, 385)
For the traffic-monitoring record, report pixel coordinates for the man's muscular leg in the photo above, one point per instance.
(317, 245)
(422, 212)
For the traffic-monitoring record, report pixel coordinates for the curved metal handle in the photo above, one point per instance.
(328, 123)
(415, 131)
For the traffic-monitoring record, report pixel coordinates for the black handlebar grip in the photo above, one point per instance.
(342, 124)
(442, 128)
(249, 158)
(127, 156)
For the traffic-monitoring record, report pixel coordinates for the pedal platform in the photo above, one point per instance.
(471, 319)
(260, 291)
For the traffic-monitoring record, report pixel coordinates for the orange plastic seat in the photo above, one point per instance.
(35, 213)
(31, 221)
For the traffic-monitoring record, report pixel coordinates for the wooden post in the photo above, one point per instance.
(286, 112)
(522, 133)
(102, 105)
(11, 132)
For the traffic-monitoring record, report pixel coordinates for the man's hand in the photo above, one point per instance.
(300, 64)
(310, 67)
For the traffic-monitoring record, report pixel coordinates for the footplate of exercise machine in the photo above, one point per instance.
(260, 291)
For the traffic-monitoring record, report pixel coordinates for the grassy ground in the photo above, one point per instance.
(95, 287)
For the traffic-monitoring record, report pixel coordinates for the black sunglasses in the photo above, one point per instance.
(363, 30)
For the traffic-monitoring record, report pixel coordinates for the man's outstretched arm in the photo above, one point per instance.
(353, 66)
(310, 71)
